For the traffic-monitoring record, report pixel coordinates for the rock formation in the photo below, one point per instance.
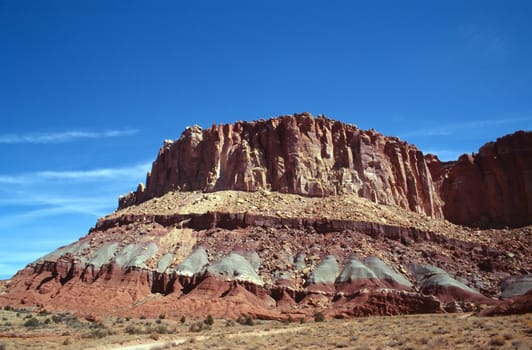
(282, 218)
(521, 304)
(220, 257)
(320, 157)
(293, 154)
(493, 187)
(435, 281)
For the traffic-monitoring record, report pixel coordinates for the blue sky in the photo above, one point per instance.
(90, 89)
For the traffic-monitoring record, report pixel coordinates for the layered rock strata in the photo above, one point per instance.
(305, 232)
(233, 264)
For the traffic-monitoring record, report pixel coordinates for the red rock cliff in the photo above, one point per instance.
(294, 154)
(493, 187)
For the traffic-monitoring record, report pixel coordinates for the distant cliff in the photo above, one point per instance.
(294, 154)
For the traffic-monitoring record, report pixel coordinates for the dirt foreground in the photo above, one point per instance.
(22, 329)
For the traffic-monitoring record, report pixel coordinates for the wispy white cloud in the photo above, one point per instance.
(29, 216)
(77, 175)
(11, 180)
(448, 129)
(31, 197)
(25, 256)
(23, 198)
(16, 258)
(34, 245)
(64, 136)
(42, 210)
(89, 175)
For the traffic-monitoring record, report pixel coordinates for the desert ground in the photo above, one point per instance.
(23, 329)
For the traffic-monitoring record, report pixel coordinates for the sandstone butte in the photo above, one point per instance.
(295, 215)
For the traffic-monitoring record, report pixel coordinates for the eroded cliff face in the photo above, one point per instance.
(493, 187)
(296, 154)
(279, 255)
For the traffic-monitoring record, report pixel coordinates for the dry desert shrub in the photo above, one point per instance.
(497, 340)
(440, 341)
(440, 330)
(132, 329)
(196, 327)
(319, 317)
(32, 323)
(248, 320)
(421, 332)
(209, 320)
(508, 336)
(44, 313)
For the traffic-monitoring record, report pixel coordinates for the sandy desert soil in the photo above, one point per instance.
(22, 329)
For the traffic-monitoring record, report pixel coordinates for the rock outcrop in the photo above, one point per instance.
(372, 273)
(298, 228)
(233, 264)
(435, 281)
(311, 156)
(521, 304)
(293, 154)
(493, 187)
(234, 267)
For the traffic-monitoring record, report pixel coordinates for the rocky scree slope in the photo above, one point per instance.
(273, 254)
